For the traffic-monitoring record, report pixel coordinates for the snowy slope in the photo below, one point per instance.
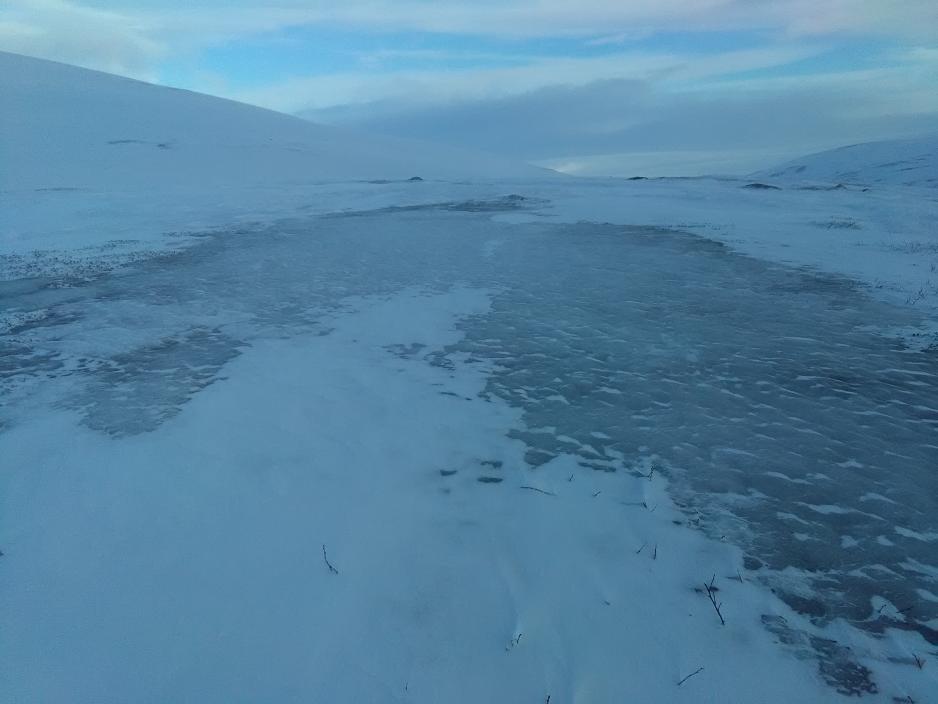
(89, 159)
(908, 162)
(66, 127)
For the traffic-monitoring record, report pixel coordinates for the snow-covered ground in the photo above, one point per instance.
(900, 162)
(278, 424)
(189, 563)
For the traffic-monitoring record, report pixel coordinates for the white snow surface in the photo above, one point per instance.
(898, 162)
(64, 127)
(187, 564)
(190, 562)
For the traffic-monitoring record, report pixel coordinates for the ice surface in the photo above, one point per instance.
(257, 374)
(759, 384)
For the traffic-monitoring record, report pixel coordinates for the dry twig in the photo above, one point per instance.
(711, 591)
(326, 560)
(695, 672)
(541, 491)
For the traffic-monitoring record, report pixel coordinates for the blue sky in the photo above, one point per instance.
(593, 86)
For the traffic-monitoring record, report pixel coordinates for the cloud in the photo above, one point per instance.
(71, 33)
(126, 36)
(587, 103)
(538, 18)
(434, 86)
(617, 126)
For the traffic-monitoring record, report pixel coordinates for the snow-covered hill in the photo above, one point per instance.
(63, 127)
(906, 162)
(88, 159)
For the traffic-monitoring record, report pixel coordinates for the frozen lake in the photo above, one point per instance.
(787, 418)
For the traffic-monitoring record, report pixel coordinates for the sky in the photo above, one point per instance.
(590, 87)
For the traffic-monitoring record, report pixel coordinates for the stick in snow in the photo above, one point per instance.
(919, 661)
(326, 560)
(695, 672)
(513, 643)
(534, 488)
(597, 493)
(710, 592)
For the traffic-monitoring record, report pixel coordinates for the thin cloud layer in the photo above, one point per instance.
(633, 128)
(124, 35)
(435, 85)
(80, 34)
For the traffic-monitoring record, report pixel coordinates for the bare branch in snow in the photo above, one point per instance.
(513, 642)
(541, 491)
(695, 672)
(326, 560)
(711, 592)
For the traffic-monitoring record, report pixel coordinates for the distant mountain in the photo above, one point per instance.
(63, 127)
(906, 162)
